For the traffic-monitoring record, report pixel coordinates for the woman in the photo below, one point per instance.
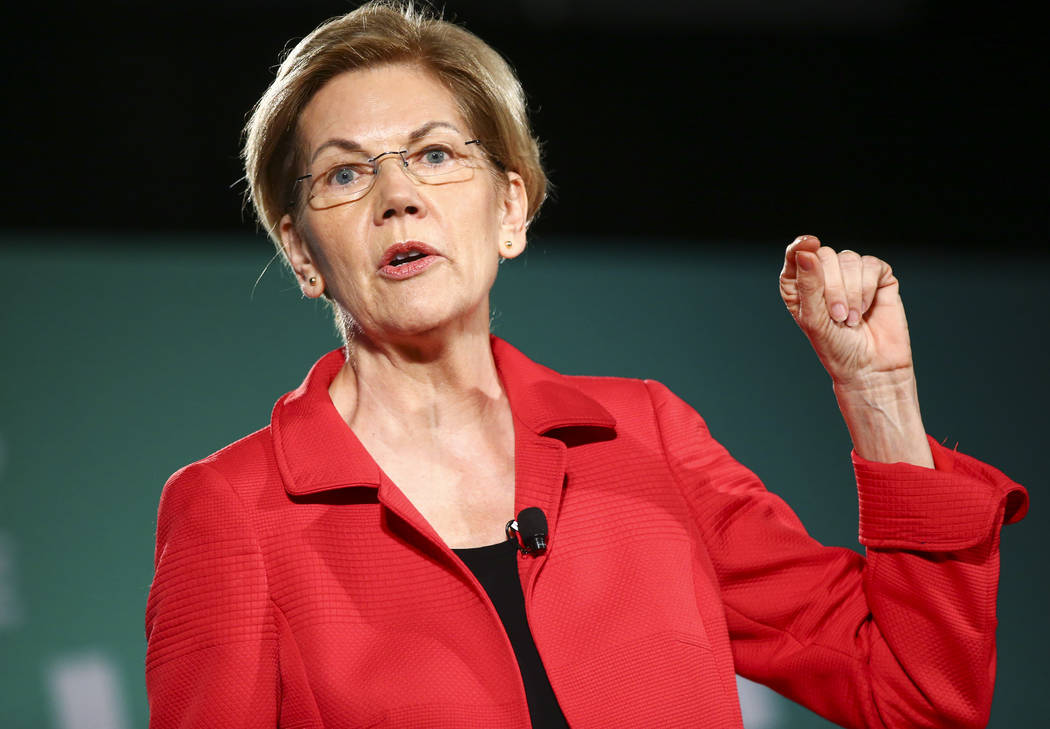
(350, 566)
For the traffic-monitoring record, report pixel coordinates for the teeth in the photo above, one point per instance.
(402, 257)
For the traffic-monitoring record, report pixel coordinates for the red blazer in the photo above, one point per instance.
(296, 586)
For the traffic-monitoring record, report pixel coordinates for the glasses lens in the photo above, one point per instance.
(347, 176)
(438, 159)
(340, 178)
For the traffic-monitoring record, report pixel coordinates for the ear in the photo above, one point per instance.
(298, 254)
(514, 208)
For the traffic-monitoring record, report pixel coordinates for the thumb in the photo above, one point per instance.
(810, 281)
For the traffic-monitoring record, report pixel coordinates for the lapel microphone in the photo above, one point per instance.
(529, 530)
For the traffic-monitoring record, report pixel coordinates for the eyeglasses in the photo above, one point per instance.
(345, 176)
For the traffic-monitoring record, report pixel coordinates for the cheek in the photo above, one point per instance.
(484, 214)
(328, 251)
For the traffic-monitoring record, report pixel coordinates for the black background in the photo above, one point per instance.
(921, 126)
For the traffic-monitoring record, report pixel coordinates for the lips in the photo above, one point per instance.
(406, 259)
(401, 253)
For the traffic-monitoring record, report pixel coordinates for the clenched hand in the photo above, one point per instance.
(850, 309)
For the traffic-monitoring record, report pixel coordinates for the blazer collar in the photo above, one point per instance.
(316, 450)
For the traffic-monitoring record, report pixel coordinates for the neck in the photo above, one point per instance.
(434, 381)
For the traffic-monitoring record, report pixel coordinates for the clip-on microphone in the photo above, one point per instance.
(529, 530)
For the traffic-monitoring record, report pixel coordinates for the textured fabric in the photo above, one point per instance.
(297, 587)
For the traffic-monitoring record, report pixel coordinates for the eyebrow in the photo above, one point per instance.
(349, 145)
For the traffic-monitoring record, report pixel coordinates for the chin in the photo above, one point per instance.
(432, 318)
(417, 321)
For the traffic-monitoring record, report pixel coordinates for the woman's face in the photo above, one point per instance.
(462, 226)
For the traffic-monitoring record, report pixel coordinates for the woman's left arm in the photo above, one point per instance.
(902, 638)
(929, 517)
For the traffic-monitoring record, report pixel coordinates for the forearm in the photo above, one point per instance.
(883, 418)
(932, 638)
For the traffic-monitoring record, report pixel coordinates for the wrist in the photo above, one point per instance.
(883, 417)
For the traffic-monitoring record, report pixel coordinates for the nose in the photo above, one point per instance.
(395, 194)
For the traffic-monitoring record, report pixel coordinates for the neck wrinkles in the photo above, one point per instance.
(419, 384)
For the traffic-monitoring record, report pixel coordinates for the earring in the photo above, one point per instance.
(313, 280)
(509, 244)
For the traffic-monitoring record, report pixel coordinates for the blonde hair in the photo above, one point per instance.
(488, 93)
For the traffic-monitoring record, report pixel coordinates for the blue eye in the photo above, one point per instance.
(343, 176)
(435, 156)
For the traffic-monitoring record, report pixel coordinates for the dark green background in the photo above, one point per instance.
(125, 359)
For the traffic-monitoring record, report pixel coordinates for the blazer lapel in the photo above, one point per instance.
(316, 451)
(546, 407)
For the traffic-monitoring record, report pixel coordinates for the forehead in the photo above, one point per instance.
(377, 105)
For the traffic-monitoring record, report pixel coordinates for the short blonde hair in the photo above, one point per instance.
(487, 91)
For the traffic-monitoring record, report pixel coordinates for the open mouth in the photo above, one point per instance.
(402, 258)
(404, 253)
(407, 259)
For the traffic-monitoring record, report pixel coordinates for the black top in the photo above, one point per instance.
(496, 568)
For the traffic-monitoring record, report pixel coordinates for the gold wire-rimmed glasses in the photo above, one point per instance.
(343, 176)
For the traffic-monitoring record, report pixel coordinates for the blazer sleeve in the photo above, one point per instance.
(902, 637)
(211, 639)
